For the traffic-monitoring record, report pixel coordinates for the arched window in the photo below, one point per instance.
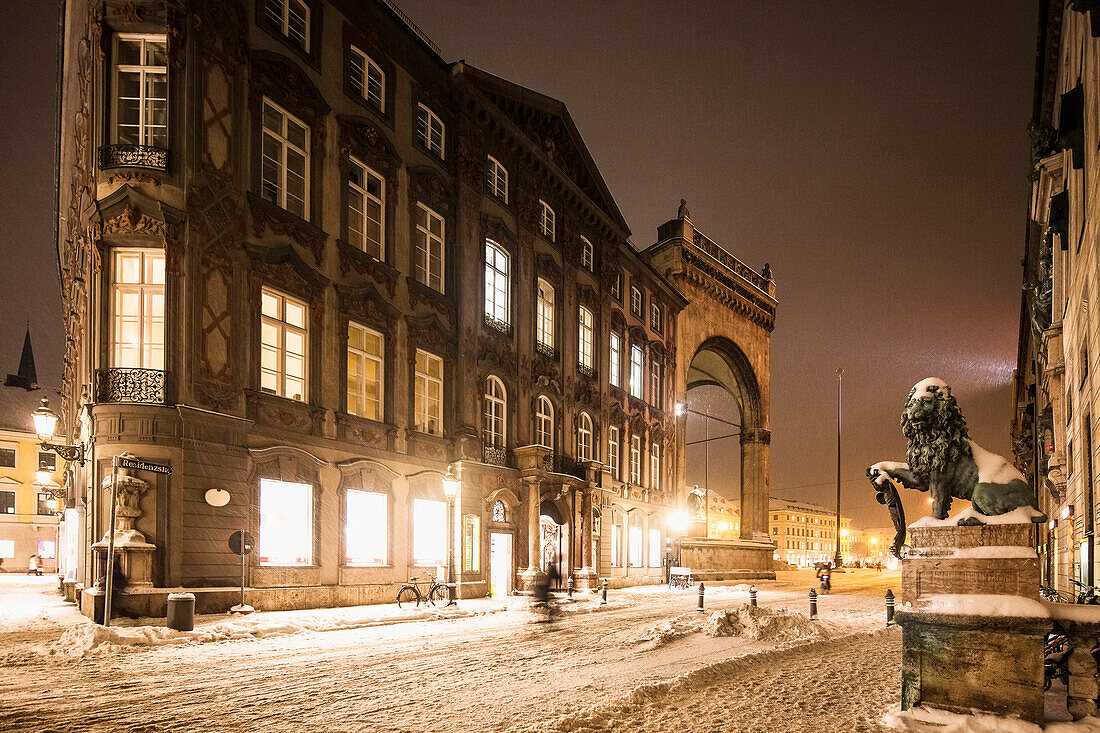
(498, 511)
(544, 423)
(496, 405)
(544, 315)
(584, 437)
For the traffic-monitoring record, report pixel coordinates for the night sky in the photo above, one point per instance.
(874, 153)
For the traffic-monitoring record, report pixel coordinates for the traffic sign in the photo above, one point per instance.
(136, 464)
(235, 542)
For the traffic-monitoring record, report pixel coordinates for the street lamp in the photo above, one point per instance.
(450, 490)
(45, 426)
(839, 559)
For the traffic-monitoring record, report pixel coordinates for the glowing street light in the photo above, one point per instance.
(45, 427)
(450, 491)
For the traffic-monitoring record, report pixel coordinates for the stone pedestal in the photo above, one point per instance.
(972, 624)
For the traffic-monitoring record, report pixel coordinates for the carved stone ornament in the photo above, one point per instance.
(366, 305)
(496, 355)
(431, 334)
(420, 294)
(354, 260)
(366, 141)
(266, 215)
(221, 24)
(548, 268)
(427, 186)
(494, 228)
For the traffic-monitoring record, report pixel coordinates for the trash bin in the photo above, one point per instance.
(181, 611)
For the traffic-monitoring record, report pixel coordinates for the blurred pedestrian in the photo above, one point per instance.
(34, 565)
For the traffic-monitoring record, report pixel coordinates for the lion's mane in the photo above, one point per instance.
(938, 442)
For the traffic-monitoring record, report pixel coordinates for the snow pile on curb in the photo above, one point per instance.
(932, 720)
(750, 622)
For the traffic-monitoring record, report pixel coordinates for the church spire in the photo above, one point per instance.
(26, 377)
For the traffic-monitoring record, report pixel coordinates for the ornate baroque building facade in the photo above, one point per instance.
(313, 267)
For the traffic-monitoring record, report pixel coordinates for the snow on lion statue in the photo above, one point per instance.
(946, 463)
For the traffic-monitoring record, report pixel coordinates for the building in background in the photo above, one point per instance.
(30, 478)
(805, 533)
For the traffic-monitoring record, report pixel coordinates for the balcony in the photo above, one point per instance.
(566, 466)
(546, 350)
(130, 385)
(498, 325)
(133, 156)
(587, 371)
(497, 456)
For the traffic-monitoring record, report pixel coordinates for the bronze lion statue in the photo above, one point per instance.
(943, 461)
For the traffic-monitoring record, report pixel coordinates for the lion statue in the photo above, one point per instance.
(946, 463)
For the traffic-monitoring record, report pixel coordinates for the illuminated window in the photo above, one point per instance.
(498, 511)
(655, 466)
(544, 423)
(654, 548)
(584, 437)
(656, 372)
(47, 505)
(636, 301)
(637, 368)
(497, 179)
(544, 315)
(585, 335)
(497, 282)
(137, 308)
(613, 451)
(47, 549)
(635, 549)
(367, 79)
(429, 251)
(365, 371)
(655, 317)
(429, 393)
(285, 164)
(291, 19)
(616, 544)
(286, 523)
(429, 532)
(429, 130)
(547, 225)
(140, 90)
(617, 286)
(636, 459)
(366, 528)
(471, 543)
(615, 365)
(366, 209)
(586, 254)
(7, 549)
(283, 345)
(496, 406)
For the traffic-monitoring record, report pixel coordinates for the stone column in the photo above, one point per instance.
(755, 444)
(586, 576)
(534, 535)
(1083, 689)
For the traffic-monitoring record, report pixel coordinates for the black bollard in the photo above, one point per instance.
(889, 606)
(813, 604)
(569, 587)
(701, 591)
(752, 595)
(603, 593)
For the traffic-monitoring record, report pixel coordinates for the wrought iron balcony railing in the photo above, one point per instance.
(586, 370)
(496, 455)
(498, 325)
(129, 385)
(557, 463)
(546, 350)
(133, 156)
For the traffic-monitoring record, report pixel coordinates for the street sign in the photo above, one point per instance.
(136, 464)
(235, 542)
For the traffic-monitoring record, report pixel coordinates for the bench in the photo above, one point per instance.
(680, 578)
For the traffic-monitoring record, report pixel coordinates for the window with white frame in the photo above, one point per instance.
(7, 502)
(615, 365)
(285, 160)
(429, 257)
(613, 451)
(654, 548)
(636, 460)
(497, 282)
(655, 317)
(140, 90)
(497, 179)
(585, 336)
(636, 301)
(137, 308)
(286, 523)
(47, 461)
(544, 314)
(547, 226)
(584, 437)
(635, 541)
(429, 393)
(429, 533)
(496, 412)
(655, 466)
(47, 504)
(365, 371)
(429, 130)
(586, 254)
(617, 286)
(656, 373)
(284, 336)
(366, 528)
(637, 369)
(291, 19)
(367, 79)
(366, 209)
(8, 454)
(616, 544)
(544, 423)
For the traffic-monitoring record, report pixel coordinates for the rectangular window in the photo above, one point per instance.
(8, 452)
(636, 301)
(367, 79)
(366, 209)
(616, 544)
(137, 308)
(365, 371)
(497, 283)
(637, 368)
(471, 543)
(617, 285)
(547, 222)
(366, 536)
(7, 502)
(47, 460)
(615, 366)
(429, 533)
(286, 523)
(656, 372)
(635, 546)
(47, 505)
(429, 393)
(654, 548)
(585, 336)
(284, 335)
(655, 317)
(7, 549)
(544, 316)
(290, 18)
(140, 90)
(497, 179)
(655, 466)
(429, 248)
(429, 130)
(47, 550)
(613, 451)
(587, 254)
(285, 160)
(636, 460)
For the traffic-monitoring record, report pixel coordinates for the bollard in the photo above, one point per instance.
(889, 606)
(603, 593)
(752, 595)
(569, 587)
(813, 604)
(701, 590)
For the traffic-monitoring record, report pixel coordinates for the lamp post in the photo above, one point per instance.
(839, 559)
(450, 490)
(45, 427)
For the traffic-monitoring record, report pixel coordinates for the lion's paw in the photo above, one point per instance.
(970, 522)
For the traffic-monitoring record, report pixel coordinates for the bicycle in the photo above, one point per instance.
(410, 592)
(1086, 595)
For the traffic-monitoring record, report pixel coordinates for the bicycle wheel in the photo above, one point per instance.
(407, 596)
(438, 593)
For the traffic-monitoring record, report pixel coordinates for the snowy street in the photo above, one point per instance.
(493, 671)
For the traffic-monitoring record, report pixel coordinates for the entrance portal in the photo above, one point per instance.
(500, 563)
(554, 542)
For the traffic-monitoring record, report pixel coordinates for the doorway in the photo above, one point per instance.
(554, 540)
(500, 564)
